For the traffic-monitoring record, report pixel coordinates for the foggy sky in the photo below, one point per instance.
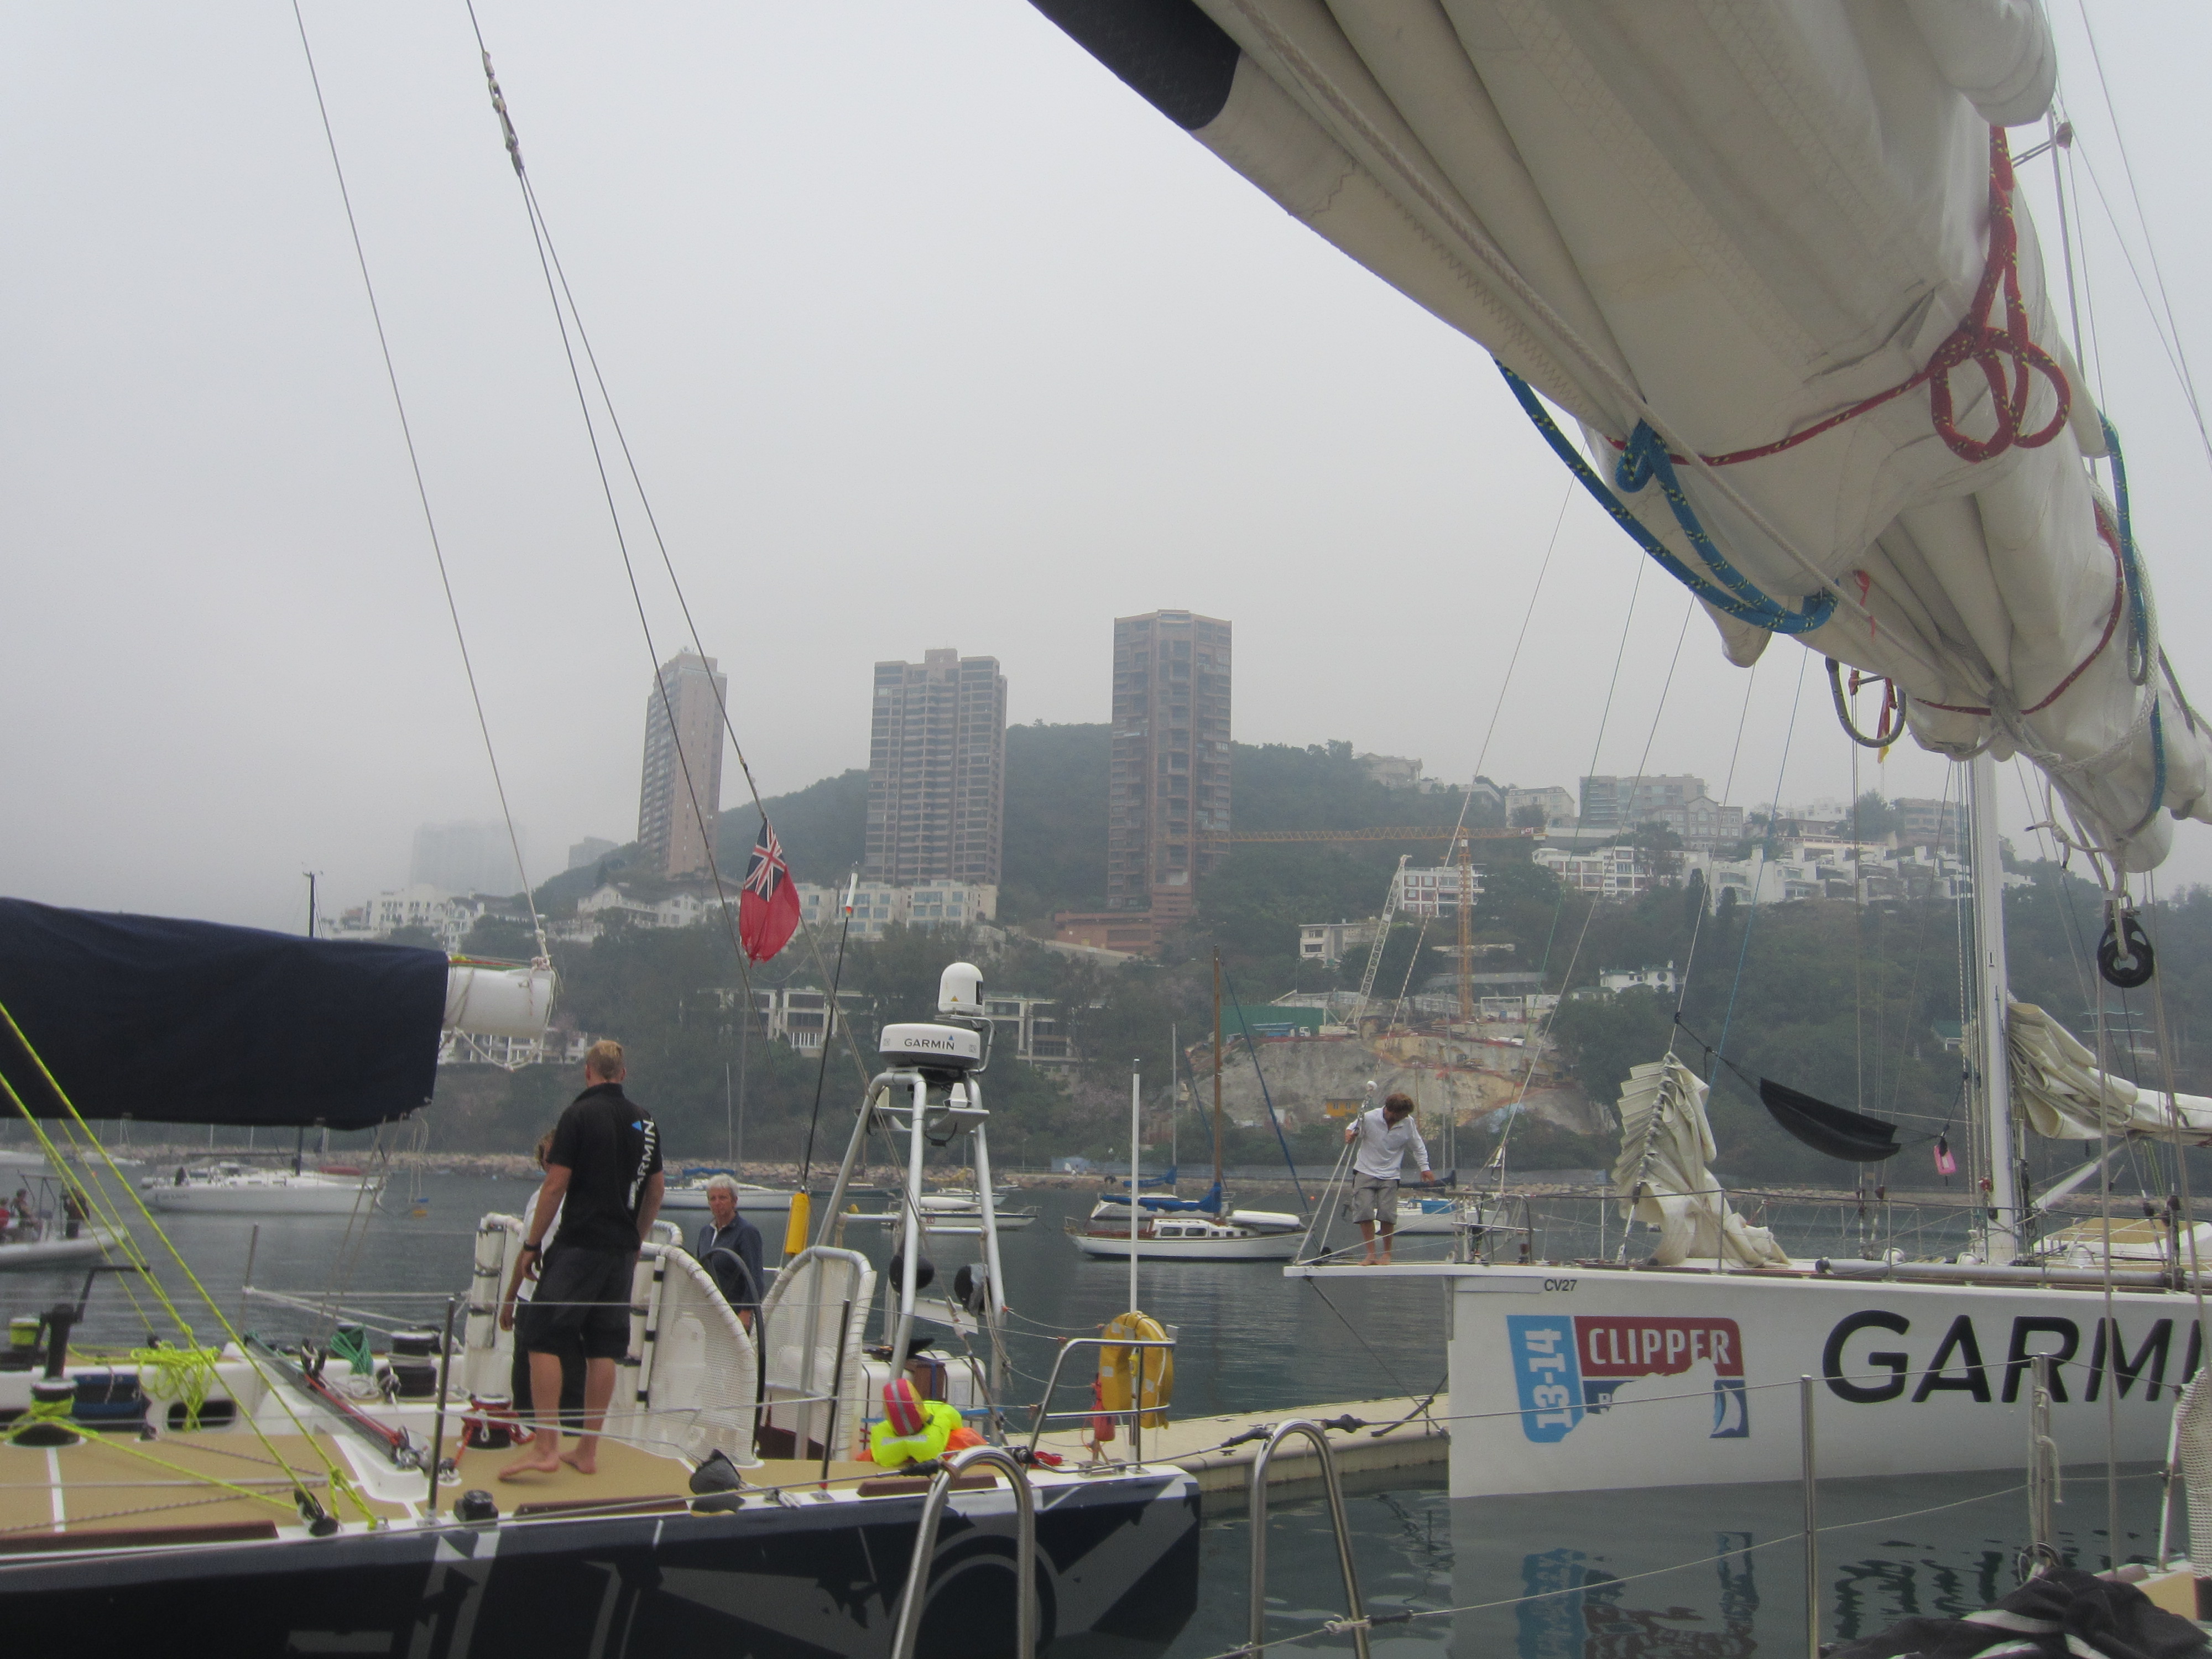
(926, 332)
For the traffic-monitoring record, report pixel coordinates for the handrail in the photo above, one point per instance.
(908, 1628)
(1355, 1622)
(1137, 1407)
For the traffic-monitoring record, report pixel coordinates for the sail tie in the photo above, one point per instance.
(1977, 340)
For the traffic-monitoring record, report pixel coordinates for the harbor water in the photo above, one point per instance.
(1709, 1572)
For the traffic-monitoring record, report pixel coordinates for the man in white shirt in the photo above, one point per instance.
(1382, 1134)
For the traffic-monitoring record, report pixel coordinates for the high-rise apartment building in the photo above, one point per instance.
(937, 770)
(1171, 760)
(681, 796)
(1615, 803)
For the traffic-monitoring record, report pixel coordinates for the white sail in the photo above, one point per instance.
(1722, 226)
(1663, 1177)
(2057, 1087)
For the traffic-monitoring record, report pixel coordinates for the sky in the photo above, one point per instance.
(924, 332)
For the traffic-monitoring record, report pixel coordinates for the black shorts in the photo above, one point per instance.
(582, 1299)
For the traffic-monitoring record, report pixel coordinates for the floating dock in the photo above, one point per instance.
(1400, 1433)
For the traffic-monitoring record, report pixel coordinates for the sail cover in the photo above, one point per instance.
(1770, 259)
(1830, 1130)
(193, 1021)
(1662, 1177)
(2058, 1089)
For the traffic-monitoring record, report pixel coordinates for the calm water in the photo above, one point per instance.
(1252, 1341)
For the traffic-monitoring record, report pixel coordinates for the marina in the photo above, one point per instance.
(1791, 304)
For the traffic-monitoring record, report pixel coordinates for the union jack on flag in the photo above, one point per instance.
(767, 904)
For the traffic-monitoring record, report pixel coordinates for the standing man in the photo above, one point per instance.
(1382, 1134)
(603, 1178)
(738, 1271)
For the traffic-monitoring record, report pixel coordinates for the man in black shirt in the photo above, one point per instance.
(603, 1176)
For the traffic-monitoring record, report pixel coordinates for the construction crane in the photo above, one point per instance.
(1382, 938)
(1464, 836)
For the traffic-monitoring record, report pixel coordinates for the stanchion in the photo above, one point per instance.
(1811, 1475)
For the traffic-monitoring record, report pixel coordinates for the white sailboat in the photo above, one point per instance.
(228, 1186)
(1772, 262)
(1113, 1232)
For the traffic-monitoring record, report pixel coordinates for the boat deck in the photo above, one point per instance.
(627, 1474)
(119, 1491)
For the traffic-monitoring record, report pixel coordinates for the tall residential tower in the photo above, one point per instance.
(1171, 760)
(937, 770)
(681, 796)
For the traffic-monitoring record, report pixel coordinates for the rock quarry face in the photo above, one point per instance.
(1468, 1079)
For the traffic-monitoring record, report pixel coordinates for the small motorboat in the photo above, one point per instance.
(44, 1225)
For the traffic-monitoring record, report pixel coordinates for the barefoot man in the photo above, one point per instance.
(603, 1176)
(1383, 1134)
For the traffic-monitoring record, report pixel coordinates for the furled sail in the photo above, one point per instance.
(2058, 1088)
(193, 1021)
(1771, 258)
(1662, 1177)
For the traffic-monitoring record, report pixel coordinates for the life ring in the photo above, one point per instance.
(1148, 1371)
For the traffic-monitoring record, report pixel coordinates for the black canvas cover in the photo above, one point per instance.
(1851, 1136)
(195, 1021)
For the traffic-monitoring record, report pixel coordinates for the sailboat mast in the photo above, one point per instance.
(1992, 994)
(1217, 1066)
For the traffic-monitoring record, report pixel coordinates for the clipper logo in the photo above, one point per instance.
(1567, 1366)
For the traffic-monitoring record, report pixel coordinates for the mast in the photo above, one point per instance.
(1992, 995)
(1217, 1069)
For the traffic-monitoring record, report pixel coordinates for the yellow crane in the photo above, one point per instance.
(1465, 838)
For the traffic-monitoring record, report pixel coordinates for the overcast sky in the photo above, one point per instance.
(926, 332)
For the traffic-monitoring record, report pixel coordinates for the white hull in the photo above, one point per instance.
(91, 1241)
(1571, 1379)
(300, 1196)
(1256, 1247)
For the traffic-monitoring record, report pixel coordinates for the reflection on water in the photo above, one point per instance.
(1682, 1573)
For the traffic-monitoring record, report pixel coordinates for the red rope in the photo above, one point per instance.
(1975, 340)
(2112, 626)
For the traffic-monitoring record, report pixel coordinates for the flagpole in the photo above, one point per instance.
(829, 1021)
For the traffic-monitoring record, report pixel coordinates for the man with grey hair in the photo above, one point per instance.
(729, 1246)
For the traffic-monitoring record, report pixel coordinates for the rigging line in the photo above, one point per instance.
(1728, 788)
(550, 252)
(2066, 236)
(421, 490)
(1482, 754)
(2171, 347)
(1773, 811)
(2150, 246)
(1536, 1041)
(2076, 953)
(629, 570)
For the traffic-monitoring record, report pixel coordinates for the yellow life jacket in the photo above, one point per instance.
(1149, 1371)
(890, 1449)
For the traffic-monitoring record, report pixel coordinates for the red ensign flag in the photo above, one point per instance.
(767, 905)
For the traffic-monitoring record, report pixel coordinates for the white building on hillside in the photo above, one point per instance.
(1432, 891)
(879, 904)
(1661, 980)
(1329, 942)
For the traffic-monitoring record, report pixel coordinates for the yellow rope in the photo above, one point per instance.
(74, 1125)
(179, 1374)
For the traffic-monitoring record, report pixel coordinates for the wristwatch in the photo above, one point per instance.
(533, 1249)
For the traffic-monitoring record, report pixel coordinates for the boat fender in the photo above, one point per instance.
(971, 1286)
(1124, 1373)
(925, 1271)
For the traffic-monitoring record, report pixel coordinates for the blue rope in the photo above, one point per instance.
(1644, 459)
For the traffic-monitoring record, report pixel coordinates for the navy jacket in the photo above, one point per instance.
(740, 1290)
